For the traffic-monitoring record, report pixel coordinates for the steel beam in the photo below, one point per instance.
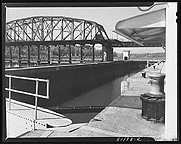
(109, 52)
(14, 31)
(59, 56)
(103, 52)
(70, 54)
(10, 54)
(38, 62)
(29, 60)
(51, 29)
(23, 30)
(32, 30)
(81, 53)
(43, 30)
(93, 57)
(19, 60)
(72, 30)
(48, 54)
(62, 29)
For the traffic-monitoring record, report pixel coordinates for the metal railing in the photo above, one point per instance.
(36, 95)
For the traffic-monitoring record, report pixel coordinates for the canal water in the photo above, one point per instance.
(101, 97)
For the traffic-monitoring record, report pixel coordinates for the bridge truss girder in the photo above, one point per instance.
(53, 29)
(23, 36)
(41, 33)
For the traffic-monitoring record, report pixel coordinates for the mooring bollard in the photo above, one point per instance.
(157, 84)
(153, 103)
(143, 74)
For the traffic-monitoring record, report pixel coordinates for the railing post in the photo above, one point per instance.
(27, 93)
(48, 81)
(36, 102)
(10, 92)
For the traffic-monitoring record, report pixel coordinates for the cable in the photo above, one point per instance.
(151, 6)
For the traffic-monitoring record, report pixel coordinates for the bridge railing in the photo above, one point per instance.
(36, 95)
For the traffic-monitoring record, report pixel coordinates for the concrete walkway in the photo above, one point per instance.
(20, 118)
(122, 118)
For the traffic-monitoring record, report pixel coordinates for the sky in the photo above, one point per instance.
(106, 16)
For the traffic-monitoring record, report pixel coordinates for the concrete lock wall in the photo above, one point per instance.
(67, 82)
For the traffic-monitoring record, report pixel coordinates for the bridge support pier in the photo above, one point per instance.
(29, 62)
(81, 53)
(107, 52)
(93, 58)
(19, 61)
(48, 54)
(38, 62)
(10, 54)
(103, 53)
(70, 54)
(59, 54)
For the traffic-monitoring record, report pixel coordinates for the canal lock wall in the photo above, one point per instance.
(69, 81)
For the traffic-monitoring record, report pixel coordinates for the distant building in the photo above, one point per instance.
(126, 55)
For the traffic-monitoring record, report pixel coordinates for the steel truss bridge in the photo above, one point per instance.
(50, 39)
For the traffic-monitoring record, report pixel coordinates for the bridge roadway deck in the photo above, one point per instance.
(121, 118)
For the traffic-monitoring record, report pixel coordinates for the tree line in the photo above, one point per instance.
(54, 51)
